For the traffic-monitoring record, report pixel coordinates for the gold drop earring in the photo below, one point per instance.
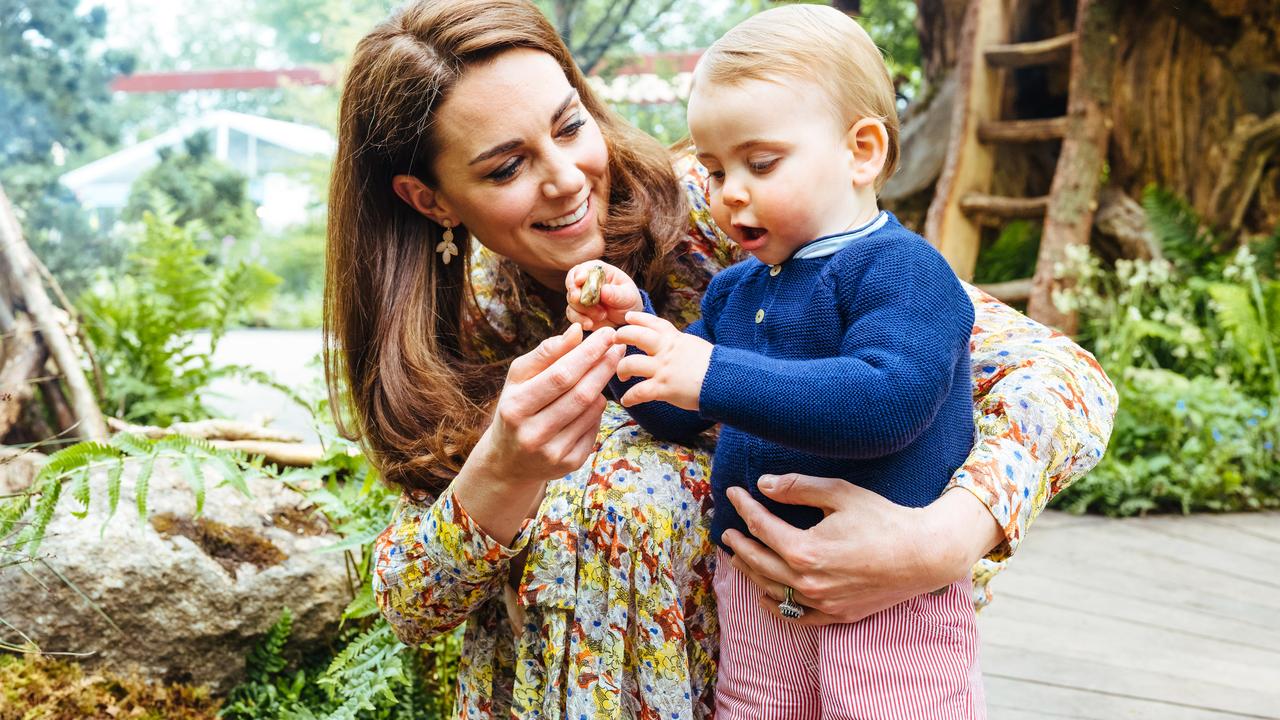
(445, 247)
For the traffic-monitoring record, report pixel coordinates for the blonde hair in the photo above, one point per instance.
(816, 43)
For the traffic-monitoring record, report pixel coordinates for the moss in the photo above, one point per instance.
(226, 544)
(33, 686)
(300, 521)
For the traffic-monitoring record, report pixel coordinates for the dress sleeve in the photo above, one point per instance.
(434, 565)
(1044, 410)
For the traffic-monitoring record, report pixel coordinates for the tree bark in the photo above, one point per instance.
(25, 360)
(23, 274)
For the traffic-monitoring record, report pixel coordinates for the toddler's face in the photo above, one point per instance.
(781, 170)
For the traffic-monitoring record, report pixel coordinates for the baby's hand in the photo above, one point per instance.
(600, 295)
(675, 365)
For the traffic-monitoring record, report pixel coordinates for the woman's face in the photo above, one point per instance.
(522, 165)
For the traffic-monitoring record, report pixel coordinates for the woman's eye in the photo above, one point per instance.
(763, 166)
(572, 128)
(507, 170)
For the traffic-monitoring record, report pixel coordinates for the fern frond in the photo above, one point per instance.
(141, 486)
(1234, 311)
(114, 476)
(195, 479)
(1178, 229)
(267, 658)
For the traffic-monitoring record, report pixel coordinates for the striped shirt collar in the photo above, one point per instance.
(831, 244)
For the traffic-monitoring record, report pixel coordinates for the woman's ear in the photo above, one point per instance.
(417, 195)
(868, 143)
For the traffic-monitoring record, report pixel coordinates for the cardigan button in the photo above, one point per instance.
(773, 271)
(760, 315)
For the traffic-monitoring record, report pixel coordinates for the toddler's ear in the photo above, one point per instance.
(868, 143)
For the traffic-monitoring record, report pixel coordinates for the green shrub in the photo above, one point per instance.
(146, 319)
(1191, 342)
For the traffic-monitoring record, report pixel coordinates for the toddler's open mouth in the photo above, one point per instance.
(751, 233)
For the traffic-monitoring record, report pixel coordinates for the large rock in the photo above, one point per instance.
(189, 596)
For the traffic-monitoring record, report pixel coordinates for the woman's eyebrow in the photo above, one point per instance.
(510, 145)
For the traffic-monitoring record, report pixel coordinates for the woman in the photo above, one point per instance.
(574, 545)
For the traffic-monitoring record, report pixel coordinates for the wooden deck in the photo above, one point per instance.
(1168, 618)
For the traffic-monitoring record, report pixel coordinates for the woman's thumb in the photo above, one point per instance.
(795, 489)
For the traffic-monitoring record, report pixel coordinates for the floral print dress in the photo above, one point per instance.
(615, 614)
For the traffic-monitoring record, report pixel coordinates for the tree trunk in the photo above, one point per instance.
(1195, 101)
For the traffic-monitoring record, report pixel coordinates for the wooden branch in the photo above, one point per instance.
(993, 131)
(1121, 217)
(287, 454)
(1074, 194)
(1040, 52)
(23, 275)
(1001, 208)
(16, 388)
(1251, 146)
(1010, 292)
(215, 429)
(62, 413)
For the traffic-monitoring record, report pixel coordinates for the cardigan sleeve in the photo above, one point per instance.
(434, 565)
(1044, 411)
(885, 386)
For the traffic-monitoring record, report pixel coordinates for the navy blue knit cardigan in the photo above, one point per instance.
(853, 365)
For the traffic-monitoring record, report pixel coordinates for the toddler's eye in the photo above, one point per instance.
(717, 176)
(763, 166)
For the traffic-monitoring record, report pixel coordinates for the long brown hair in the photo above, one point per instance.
(392, 311)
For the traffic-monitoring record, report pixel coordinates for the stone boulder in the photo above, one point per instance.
(187, 596)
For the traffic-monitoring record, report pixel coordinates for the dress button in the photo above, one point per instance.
(773, 271)
(760, 315)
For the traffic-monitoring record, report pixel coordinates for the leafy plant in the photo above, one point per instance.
(156, 323)
(1192, 343)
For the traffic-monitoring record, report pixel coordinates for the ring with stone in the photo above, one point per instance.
(789, 607)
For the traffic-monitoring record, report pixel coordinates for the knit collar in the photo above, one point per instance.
(831, 244)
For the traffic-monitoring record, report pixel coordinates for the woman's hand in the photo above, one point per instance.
(866, 555)
(617, 294)
(544, 426)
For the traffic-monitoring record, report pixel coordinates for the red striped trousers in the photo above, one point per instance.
(914, 661)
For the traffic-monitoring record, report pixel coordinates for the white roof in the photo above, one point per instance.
(302, 139)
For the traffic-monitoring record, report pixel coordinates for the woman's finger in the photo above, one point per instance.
(569, 442)
(562, 375)
(758, 561)
(779, 535)
(636, 366)
(810, 616)
(548, 351)
(574, 401)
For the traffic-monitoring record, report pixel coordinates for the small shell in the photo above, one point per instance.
(591, 288)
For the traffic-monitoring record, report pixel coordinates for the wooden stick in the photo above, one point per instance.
(1250, 148)
(215, 429)
(288, 454)
(16, 389)
(24, 276)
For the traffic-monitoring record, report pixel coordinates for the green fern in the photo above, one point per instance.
(1185, 241)
(267, 658)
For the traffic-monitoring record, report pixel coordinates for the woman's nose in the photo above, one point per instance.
(564, 177)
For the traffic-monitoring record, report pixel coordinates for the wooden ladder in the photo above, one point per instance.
(962, 203)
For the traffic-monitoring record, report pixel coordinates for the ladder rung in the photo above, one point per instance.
(992, 131)
(1039, 52)
(1004, 207)
(1011, 291)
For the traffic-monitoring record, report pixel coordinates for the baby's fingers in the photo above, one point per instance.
(639, 336)
(644, 392)
(636, 366)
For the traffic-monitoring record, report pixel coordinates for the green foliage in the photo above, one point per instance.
(194, 187)
(156, 323)
(1182, 444)
(1191, 343)
(25, 517)
(55, 102)
(1012, 256)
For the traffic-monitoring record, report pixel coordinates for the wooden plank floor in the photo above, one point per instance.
(1167, 618)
